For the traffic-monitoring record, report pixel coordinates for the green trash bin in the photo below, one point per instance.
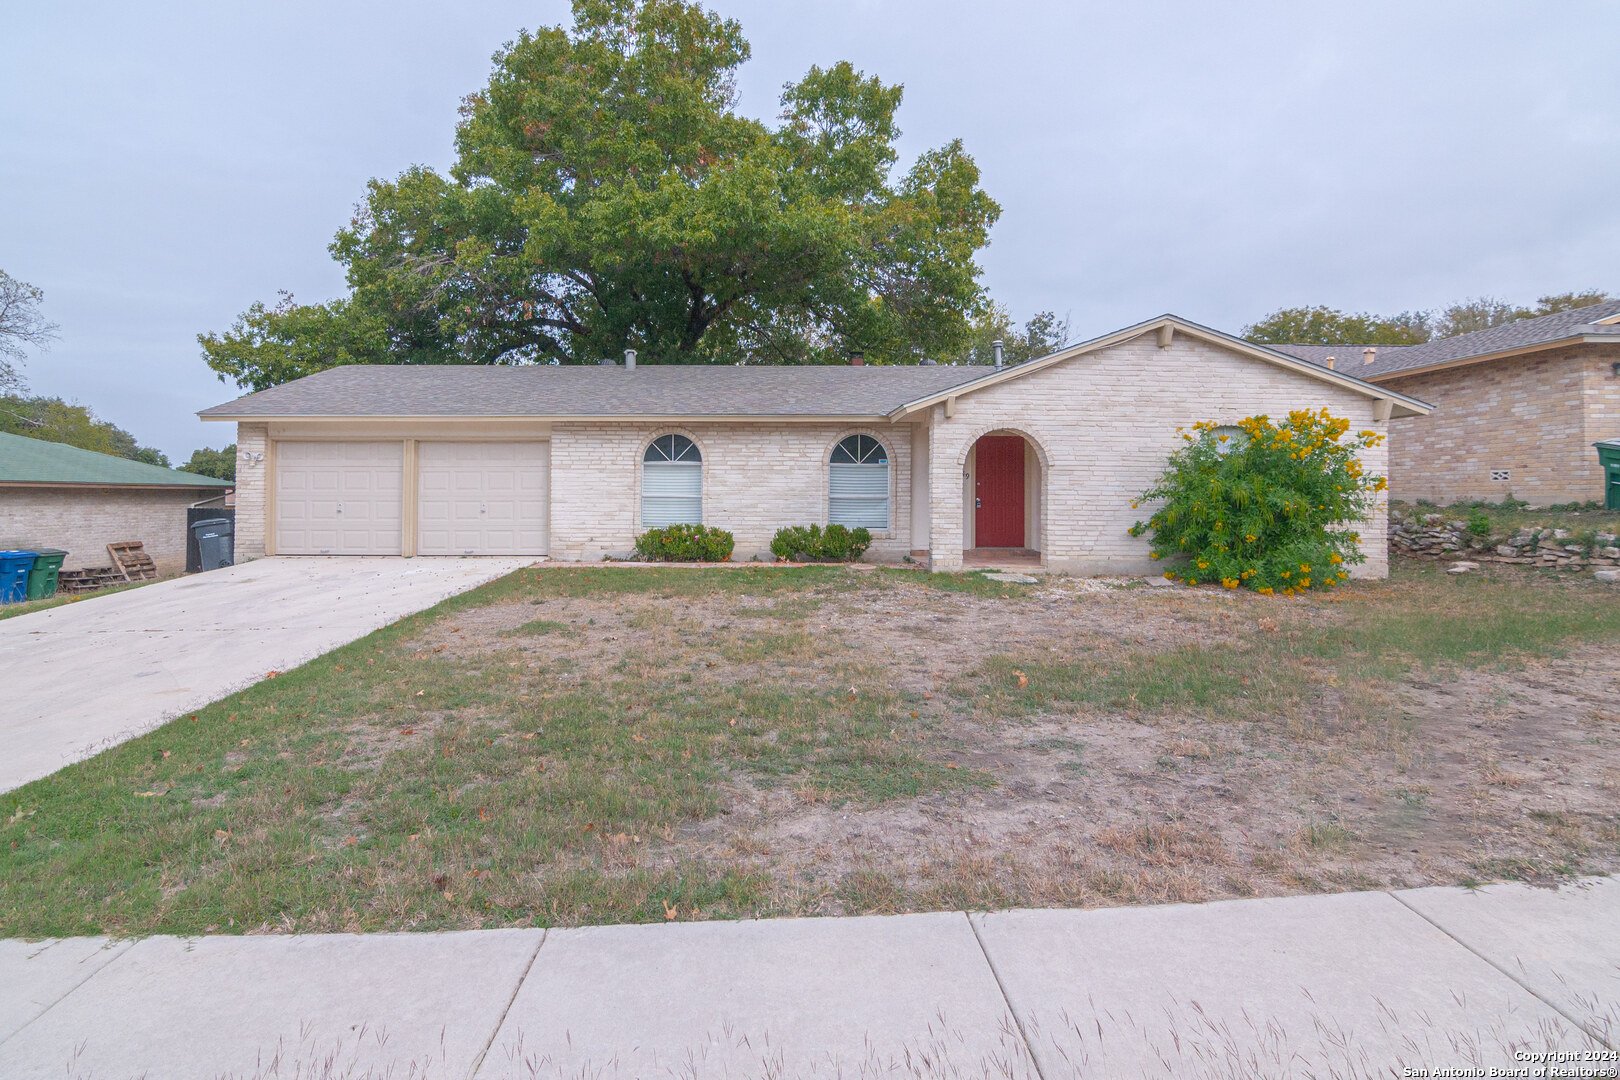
(42, 578)
(1609, 457)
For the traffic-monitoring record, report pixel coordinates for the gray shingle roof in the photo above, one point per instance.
(651, 390)
(1523, 334)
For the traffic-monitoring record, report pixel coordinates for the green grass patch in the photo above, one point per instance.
(388, 786)
(11, 611)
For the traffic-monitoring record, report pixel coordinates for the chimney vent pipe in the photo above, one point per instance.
(857, 358)
(996, 345)
(629, 359)
(1369, 354)
(1330, 362)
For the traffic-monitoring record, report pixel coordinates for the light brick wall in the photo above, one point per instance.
(756, 478)
(83, 521)
(1103, 425)
(1536, 416)
(251, 478)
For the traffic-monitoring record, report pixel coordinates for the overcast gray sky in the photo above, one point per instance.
(164, 165)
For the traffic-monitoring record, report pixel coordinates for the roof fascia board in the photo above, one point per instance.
(1502, 354)
(1215, 337)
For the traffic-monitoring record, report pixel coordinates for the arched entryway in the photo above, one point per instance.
(1001, 498)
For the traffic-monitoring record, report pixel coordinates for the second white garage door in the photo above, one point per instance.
(482, 498)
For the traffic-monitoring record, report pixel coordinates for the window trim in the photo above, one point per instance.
(641, 464)
(891, 498)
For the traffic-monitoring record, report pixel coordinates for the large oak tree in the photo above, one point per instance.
(607, 195)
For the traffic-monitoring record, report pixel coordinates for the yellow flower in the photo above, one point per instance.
(1202, 565)
(1153, 555)
(1285, 573)
(1304, 569)
(1304, 582)
(1335, 558)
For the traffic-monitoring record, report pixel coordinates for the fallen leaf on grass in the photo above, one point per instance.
(348, 840)
(408, 731)
(669, 912)
(268, 675)
(952, 765)
(419, 693)
(165, 753)
(1023, 680)
(148, 794)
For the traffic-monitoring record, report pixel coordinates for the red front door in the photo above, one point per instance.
(998, 519)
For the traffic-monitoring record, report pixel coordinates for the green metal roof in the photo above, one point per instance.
(35, 461)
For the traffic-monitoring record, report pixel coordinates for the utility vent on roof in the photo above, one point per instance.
(1501, 474)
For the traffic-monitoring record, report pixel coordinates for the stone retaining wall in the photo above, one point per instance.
(1441, 537)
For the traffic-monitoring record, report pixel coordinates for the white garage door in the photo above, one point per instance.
(339, 498)
(483, 498)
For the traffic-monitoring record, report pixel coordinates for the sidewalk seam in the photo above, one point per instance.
(1526, 987)
(1012, 1010)
(64, 996)
(500, 1021)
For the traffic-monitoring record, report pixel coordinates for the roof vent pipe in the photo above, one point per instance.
(996, 345)
(607, 361)
(1369, 354)
(629, 359)
(857, 358)
(1330, 362)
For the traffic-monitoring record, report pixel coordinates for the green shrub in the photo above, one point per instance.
(1479, 523)
(812, 543)
(1268, 513)
(685, 543)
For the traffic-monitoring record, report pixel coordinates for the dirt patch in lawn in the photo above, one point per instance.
(1350, 781)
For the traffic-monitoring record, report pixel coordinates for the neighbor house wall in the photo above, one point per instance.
(757, 477)
(1534, 416)
(1102, 426)
(83, 520)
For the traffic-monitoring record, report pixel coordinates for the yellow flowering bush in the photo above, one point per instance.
(1265, 509)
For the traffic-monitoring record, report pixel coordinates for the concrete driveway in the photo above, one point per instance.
(88, 675)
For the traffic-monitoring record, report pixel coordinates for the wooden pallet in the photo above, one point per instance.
(88, 579)
(131, 558)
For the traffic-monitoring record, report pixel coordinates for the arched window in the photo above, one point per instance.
(858, 483)
(671, 483)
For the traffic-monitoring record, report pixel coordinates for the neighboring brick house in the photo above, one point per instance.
(58, 496)
(1517, 408)
(1036, 463)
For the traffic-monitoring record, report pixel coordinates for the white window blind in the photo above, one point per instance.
(858, 495)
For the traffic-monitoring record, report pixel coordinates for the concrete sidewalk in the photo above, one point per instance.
(88, 675)
(1349, 985)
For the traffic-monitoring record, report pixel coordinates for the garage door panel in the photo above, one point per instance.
(339, 498)
(482, 498)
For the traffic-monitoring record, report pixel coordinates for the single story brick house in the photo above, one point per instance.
(1517, 408)
(59, 496)
(1038, 461)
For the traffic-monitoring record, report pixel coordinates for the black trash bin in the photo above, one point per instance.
(215, 542)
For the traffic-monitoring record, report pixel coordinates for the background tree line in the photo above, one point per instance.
(1329, 326)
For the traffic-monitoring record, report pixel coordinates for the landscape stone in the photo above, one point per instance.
(1612, 577)
(1015, 579)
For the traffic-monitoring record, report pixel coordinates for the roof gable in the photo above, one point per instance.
(35, 461)
(1171, 324)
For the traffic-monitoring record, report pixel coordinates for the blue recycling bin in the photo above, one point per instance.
(14, 568)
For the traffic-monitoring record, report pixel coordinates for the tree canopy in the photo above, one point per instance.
(54, 420)
(607, 195)
(1329, 326)
(220, 464)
